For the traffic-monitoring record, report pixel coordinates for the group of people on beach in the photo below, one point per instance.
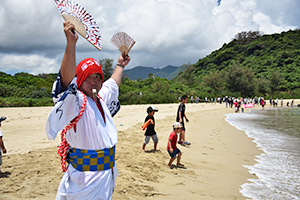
(239, 102)
(178, 128)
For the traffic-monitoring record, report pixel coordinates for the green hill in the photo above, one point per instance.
(264, 57)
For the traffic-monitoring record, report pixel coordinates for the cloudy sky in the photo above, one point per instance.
(167, 32)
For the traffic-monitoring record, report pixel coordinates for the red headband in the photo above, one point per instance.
(86, 68)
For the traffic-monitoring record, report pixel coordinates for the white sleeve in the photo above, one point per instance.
(1, 134)
(110, 93)
(66, 109)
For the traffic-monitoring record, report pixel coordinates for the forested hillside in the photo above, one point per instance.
(252, 64)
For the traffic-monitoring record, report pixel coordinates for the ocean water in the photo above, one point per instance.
(276, 131)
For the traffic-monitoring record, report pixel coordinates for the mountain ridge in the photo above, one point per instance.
(142, 72)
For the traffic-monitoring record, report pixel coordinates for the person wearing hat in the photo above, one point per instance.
(150, 131)
(84, 107)
(1, 142)
(172, 147)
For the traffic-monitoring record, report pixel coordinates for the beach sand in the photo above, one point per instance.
(213, 162)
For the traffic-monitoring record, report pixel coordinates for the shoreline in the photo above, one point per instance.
(214, 161)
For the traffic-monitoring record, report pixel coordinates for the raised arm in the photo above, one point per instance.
(68, 64)
(118, 72)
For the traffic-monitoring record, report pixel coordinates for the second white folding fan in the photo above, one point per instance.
(123, 41)
(84, 23)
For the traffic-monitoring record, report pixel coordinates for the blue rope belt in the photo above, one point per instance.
(92, 160)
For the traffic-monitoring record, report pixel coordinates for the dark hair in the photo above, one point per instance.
(184, 97)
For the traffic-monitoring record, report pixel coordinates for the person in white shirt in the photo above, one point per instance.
(85, 105)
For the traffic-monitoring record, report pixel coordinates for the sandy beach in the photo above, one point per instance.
(213, 163)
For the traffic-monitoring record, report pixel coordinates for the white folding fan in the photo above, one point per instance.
(84, 23)
(123, 41)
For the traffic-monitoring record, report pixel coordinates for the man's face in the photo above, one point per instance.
(94, 81)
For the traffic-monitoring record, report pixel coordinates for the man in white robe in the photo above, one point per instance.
(95, 130)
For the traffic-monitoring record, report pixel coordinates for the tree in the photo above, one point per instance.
(247, 37)
(263, 85)
(151, 75)
(188, 74)
(275, 80)
(215, 80)
(106, 64)
(241, 80)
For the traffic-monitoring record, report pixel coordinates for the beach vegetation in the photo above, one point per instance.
(252, 64)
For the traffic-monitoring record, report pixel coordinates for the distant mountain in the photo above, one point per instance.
(168, 72)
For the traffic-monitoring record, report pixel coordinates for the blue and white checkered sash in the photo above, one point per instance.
(92, 160)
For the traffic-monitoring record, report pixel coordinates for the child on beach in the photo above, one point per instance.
(1, 142)
(180, 118)
(171, 146)
(150, 132)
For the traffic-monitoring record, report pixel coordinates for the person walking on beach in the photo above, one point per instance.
(197, 99)
(180, 118)
(150, 132)
(85, 105)
(3, 149)
(236, 106)
(262, 102)
(172, 147)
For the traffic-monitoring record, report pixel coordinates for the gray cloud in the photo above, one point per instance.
(167, 32)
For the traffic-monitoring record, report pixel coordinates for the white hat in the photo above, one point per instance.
(177, 125)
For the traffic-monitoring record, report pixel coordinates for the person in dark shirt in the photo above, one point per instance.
(180, 118)
(2, 147)
(150, 132)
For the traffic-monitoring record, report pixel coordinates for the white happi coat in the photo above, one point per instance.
(92, 133)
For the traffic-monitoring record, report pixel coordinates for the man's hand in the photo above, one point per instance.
(4, 150)
(70, 33)
(124, 59)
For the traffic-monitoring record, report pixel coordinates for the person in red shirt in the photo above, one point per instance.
(236, 106)
(262, 102)
(171, 146)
